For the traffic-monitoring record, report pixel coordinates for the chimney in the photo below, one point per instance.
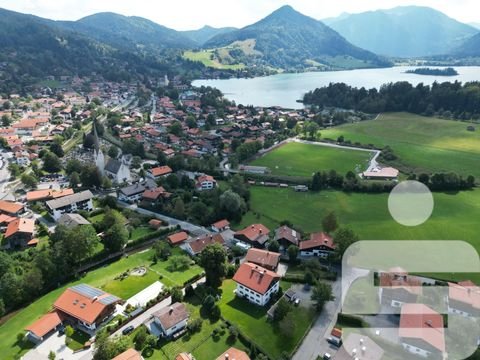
(429, 323)
(170, 310)
(364, 349)
(227, 356)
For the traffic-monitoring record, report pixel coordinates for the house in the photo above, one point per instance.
(196, 246)
(398, 288)
(129, 354)
(184, 356)
(158, 172)
(264, 258)
(171, 319)
(117, 170)
(234, 354)
(464, 299)
(255, 235)
(205, 182)
(134, 192)
(85, 306)
(20, 233)
(44, 327)
(177, 238)
(154, 195)
(11, 208)
(72, 220)
(70, 204)
(359, 346)
(256, 284)
(155, 224)
(388, 173)
(43, 195)
(421, 331)
(286, 236)
(319, 244)
(221, 225)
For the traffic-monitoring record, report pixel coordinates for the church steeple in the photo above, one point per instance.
(96, 142)
(97, 152)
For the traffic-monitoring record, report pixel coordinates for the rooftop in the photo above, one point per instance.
(171, 315)
(255, 277)
(263, 257)
(316, 240)
(70, 199)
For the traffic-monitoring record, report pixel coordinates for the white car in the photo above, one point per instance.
(327, 356)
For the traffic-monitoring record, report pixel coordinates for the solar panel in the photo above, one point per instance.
(87, 290)
(108, 300)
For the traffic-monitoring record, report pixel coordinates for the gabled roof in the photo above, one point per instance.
(84, 302)
(255, 233)
(129, 354)
(37, 195)
(177, 237)
(465, 292)
(45, 324)
(418, 321)
(154, 194)
(316, 240)
(263, 257)
(20, 225)
(160, 170)
(401, 280)
(255, 277)
(171, 315)
(72, 220)
(10, 207)
(221, 224)
(284, 232)
(70, 199)
(201, 243)
(113, 166)
(234, 354)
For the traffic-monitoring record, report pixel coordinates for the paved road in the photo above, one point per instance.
(191, 228)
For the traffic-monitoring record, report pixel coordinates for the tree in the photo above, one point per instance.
(282, 309)
(232, 206)
(106, 183)
(150, 341)
(51, 162)
(176, 294)
(321, 293)
(208, 303)
(292, 253)
(213, 259)
(329, 222)
(140, 338)
(73, 165)
(74, 179)
(344, 237)
(179, 263)
(287, 325)
(162, 250)
(6, 120)
(274, 246)
(136, 162)
(57, 149)
(172, 181)
(51, 355)
(107, 348)
(2, 308)
(113, 151)
(115, 237)
(68, 333)
(312, 129)
(176, 129)
(28, 180)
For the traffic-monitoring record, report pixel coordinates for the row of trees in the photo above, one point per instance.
(461, 101)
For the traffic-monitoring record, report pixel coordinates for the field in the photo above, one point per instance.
(252, 321)
(102, 278)
(421, 143)
(296, 159)
(455, 216)
(208, 58)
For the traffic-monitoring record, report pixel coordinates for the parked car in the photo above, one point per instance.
(296, 301)
(334, 341)
(327, 356)
(128, 330)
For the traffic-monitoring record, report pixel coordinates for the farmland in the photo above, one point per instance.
(421, 143)
(298, 159)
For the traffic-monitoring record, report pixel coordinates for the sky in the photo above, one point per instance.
(193, 14)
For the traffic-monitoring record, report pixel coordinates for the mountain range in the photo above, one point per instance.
(406, 31)
(202, 35)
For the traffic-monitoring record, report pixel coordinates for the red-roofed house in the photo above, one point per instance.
(20, 232)
(234, 354)
(255, 283)
(264, 258)
(177, 238)
(221, 225)
(11, 208)
(129, 354)
(205, 182)
(159, 171)
(43, 327)
(255, 234)
(464, 299)
(422, 331)
(286, 237)
(196, 246)
(398, 288)
(319, 244)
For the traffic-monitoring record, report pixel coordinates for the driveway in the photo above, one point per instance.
(56, 344)
(147, 294)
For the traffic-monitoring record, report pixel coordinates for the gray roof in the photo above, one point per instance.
(91, 292)
(70, 199)
(138, 188)
(113, 166)
(72, 220)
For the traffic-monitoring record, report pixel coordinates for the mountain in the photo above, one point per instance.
(202, 35)
(287, 39)
(470, 48)
(475, 25)
(129, 32)
(406, 31)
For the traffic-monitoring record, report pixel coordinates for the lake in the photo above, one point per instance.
(284, 89)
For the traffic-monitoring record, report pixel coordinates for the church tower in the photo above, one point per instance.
(98, 156)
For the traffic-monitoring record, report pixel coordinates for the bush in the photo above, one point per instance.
(350, 321)
(195, 325)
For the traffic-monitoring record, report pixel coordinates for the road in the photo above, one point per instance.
(189, 227)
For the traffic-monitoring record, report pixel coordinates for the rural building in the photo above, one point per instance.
(234, 354)
(11, 208)
(286, 237)
(155, 224)
(70, 204)
(255, 235)
(398, 288)
(158, 172)
(44, 327)
(134, 192)
(72, 220)
(359, 346)
(254, 169)
(20, 233)
(319, 244)
(464, 299)
(205, 182)
(264, 258)
(196, 246)
(171, 319)
(44, 195)
(256, 284)
(177, 238)
(221, 225)
(388, 173)
(421, 331)
(130, 354)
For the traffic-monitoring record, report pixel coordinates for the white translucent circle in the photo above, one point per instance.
(410, 203)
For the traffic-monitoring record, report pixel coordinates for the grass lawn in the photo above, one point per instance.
(97, 218)
(205, 57)
(213, 347)
(252, 321)
(78, 339)
(421, 143)
(141, 231)
(296, 159)
(455, 216)
(362, 298)
(101, 278)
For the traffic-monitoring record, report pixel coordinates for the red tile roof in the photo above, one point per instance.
(130, 354)
(418, 321)
(284, 232)
(153, 194)
(401, 280)
(47, 194)
(177, 237)
(465, 292)
(254, 231)
(234, 354)
(45, 324)
(160, 170)
(20, 226)
(10, 207)
(172, 315)
(201, 243)
(316, 240)
(221, 224)
(263, 257)
(255, 277)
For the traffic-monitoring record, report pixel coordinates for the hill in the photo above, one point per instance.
(287, 39)
(471, 47)
(128, 32)
(202, 35)
(405, 31)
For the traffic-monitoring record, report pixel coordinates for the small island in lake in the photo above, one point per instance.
(433, 71)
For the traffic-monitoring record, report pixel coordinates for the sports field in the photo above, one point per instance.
(297, 159)
(421, 143)
(455, 216)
